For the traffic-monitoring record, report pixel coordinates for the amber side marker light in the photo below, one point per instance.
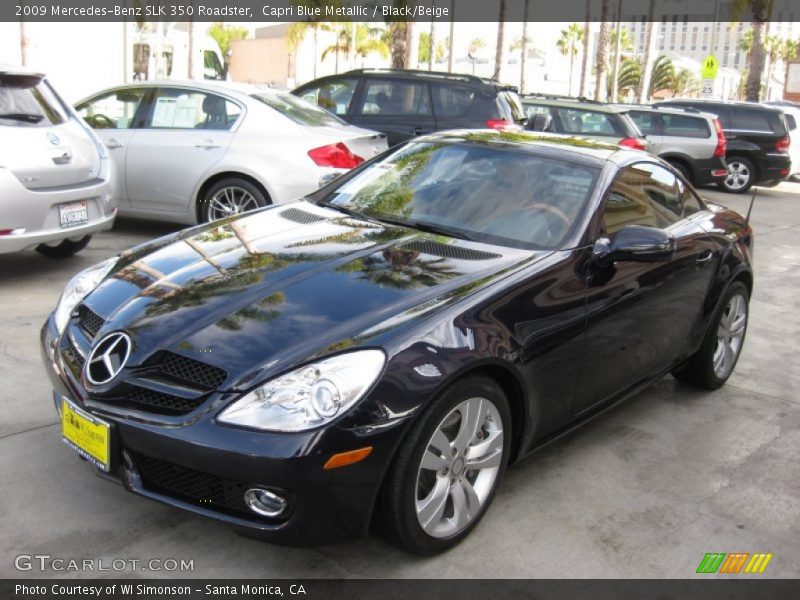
(344, 459)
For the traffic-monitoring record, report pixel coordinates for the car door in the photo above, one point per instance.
(400, 108)
(187, 131)
(649, 123)
(116, 116)
(641, 316)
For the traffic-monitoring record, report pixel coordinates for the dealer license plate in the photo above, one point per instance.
(87, 435)
(73, 214)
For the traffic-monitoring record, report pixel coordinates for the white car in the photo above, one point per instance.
(198, 151)
(791, 110)
(55, 175)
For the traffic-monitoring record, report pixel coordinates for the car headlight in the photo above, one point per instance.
(309, 396)
(78, 288)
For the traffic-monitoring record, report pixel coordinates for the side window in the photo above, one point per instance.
(451, 100)
(685, 126)
(535, 109)
(643, 194)
(184, 109)
(585, 121)
(112, 111)
(744, 119)
(690, 201)
(647, 122)
(334, 96)
(791, 122)
(395, 98)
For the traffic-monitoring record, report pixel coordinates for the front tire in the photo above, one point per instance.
(65, 248)
(714, 362)
(447, 470)
(229, 197)
(741, 175)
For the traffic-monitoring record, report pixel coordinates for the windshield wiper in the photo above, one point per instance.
(27, 117)
(427, 227)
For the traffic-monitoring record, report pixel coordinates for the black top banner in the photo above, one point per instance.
(256, 11)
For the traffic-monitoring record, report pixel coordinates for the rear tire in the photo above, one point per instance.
(716, 358)
(63, 249)
(683, 170)
(444, 478)
(229, 197)
(741, 175)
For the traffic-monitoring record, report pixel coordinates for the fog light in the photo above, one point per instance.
(264, 502)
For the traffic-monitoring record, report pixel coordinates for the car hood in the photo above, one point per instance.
(259, 293)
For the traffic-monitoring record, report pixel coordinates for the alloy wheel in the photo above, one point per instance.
(738, 175)
(459, 468)
(730, 335)
(230, 201)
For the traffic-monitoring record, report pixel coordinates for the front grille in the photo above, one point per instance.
(448, 251)
(191, 371)
(157, 402)
(203, 489)
(72, 354)
(90, 321)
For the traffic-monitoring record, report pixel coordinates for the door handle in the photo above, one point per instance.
(64, 159)
(113, 144)
(208, 145)
(705, 257)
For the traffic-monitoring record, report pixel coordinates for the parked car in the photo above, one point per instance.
(55, 176)
(691, 141)
(757, 151)
(392, 342)
(791, 112)
(405, 103)
(195, 152)
(584, 118)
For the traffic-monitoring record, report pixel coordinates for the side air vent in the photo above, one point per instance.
(301, 216)
(447, 251)
(90, 321)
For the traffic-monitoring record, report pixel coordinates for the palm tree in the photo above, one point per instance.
(523, 47)
(649, 47)
(663, 77)
(23, 44)
(369, 40)
(759, 10)
(568, 45)
(585, 59)
(501, 32)
(295, 35)
(600, 59)
(629, 77)
(772, 47)
(432, 39)
(685, 83)
(789, 50)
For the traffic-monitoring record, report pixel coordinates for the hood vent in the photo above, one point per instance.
(90, 321)
(448, 251)
(301, 216)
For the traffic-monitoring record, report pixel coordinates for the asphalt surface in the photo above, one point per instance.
(643, 491)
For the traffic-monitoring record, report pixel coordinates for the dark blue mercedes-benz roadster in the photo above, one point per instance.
(380, 351)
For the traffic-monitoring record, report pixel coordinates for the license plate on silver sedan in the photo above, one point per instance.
(73, 214)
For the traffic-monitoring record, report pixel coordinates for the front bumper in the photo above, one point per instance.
(33, 215)
(205, 468)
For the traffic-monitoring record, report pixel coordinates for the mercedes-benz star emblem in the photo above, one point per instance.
(108, 358)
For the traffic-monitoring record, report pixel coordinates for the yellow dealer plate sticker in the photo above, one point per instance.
(87, 435)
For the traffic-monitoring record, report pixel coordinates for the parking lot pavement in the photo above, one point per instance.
(645, 490)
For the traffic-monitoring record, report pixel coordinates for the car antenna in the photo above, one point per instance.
(750, 208)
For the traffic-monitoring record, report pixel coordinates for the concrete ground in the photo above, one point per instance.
(643, 491)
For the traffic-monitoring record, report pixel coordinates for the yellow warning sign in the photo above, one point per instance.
(710, 67)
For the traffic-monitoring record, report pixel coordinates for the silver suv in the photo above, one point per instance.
(690, 140)
(55, 176)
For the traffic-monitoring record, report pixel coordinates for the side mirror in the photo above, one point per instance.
(637, 243)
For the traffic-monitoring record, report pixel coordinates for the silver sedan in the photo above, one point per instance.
(55, 175)
(198, 151)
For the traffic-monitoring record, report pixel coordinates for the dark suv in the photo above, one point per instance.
(757, 142)
(405, 103)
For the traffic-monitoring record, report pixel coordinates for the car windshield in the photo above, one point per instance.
(299, 110)
(494, 195)
(27, 100)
